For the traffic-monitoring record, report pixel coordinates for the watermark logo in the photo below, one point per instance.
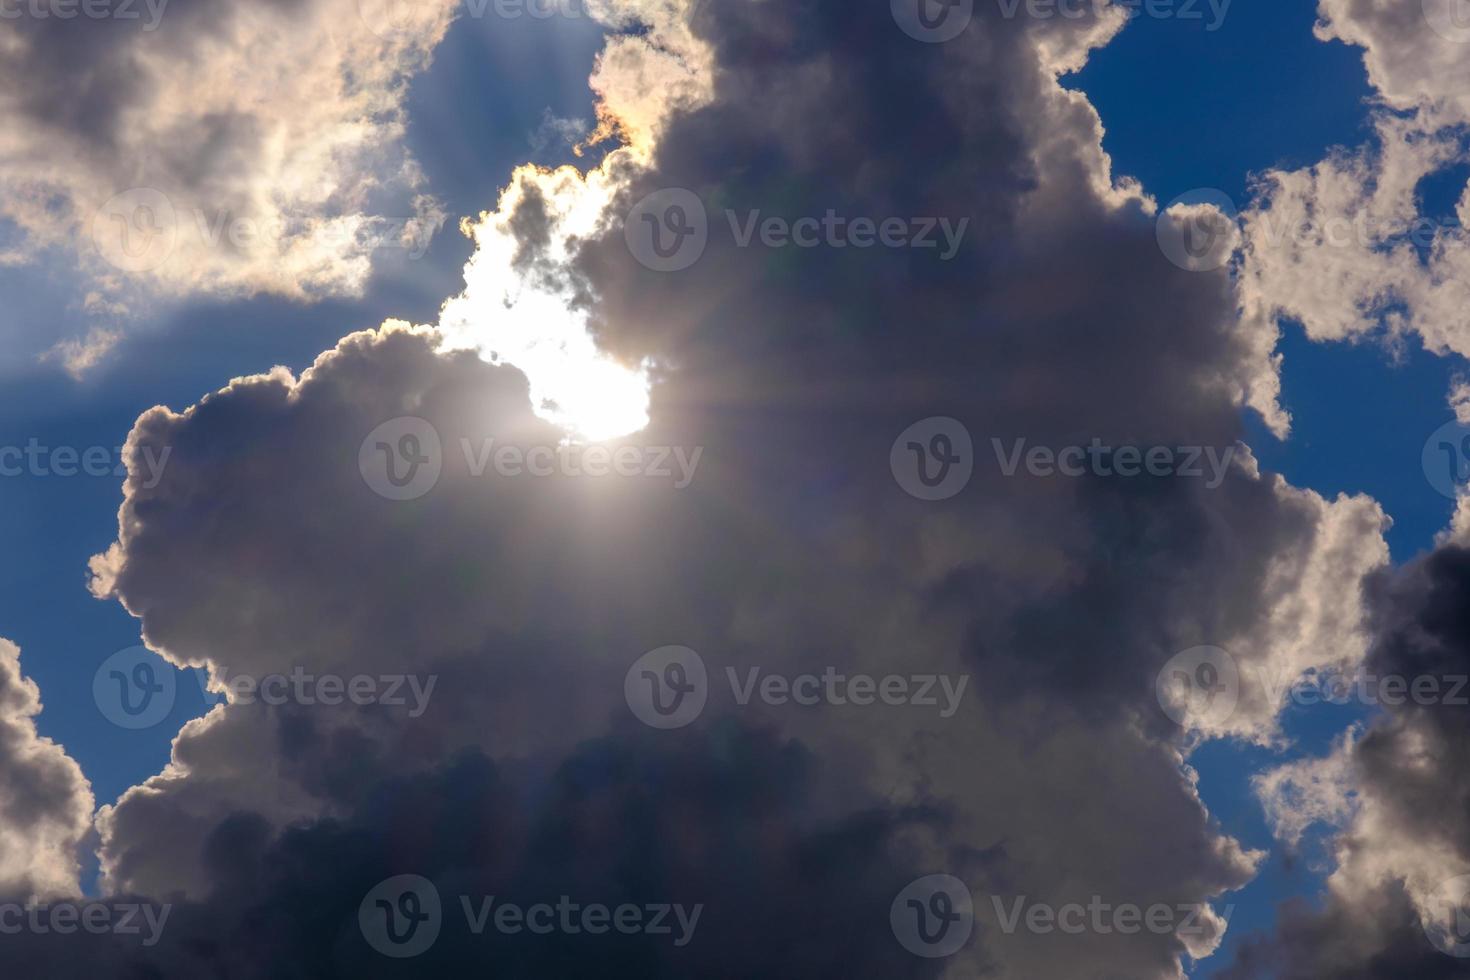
(667, 231)
(1198, 230)
(1446, 458)
(136, 230)
(833, 230)
(1153, 9)
(410, 691)
(94, 918)
(88, 9)
(933, 21)
(1449, 927)
(134, 688)
(574, 918)
(1098, 459)
(402, 458)
(1450, 19)
(38, 460)
(940, 691)
(933, 916)
(401, 917)
(667, 687)
(1105, 918)
(1199, 687)
(401, 20)
(594, 460)
(933, 459)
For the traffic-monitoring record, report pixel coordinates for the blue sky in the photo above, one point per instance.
(1185, 108)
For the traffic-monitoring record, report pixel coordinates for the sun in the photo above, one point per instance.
(597, 398)
(512, 311)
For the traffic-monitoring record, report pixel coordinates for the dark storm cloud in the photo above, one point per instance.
(725, 821)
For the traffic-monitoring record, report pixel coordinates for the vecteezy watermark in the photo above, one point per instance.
(87, 9)
(669, 687)
(934, 459)
(218, 228)
(403, 459)
(411, 691)
(1448, 923)
(936, 21)
(1101, 917)
(1201, 686)
(1446, 458)
(1097, 459)
(835, 231)
(1199, 229)
(932, 21)
(833, 688)
(403, 916)
(35, 459)
(574, 918)
(668, 231)
(402, 19)
(591, 460)
(135, 688)
(933, 916)
(1450, 19)
(139, 229)
(136, 230)
(96, 918)
(1215, 10)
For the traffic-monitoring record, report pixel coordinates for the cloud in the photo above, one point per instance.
(1350, 247)
(45, 802)
(213, 148)
(531, 636)
(273, 543)
(1393, 793)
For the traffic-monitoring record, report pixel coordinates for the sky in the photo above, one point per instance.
(349, 302)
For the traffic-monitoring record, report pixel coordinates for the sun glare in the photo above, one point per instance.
(600, 399)
(512, 312)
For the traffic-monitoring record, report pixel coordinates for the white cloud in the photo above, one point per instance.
(234, 149)
(45, 802)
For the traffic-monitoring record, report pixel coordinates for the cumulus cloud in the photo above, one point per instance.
(273, 543)
(215, 148)
(45, 802)
(795, 549)
(1349, 247)
(533, 634)
(1353, 248)
(1393, 792)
